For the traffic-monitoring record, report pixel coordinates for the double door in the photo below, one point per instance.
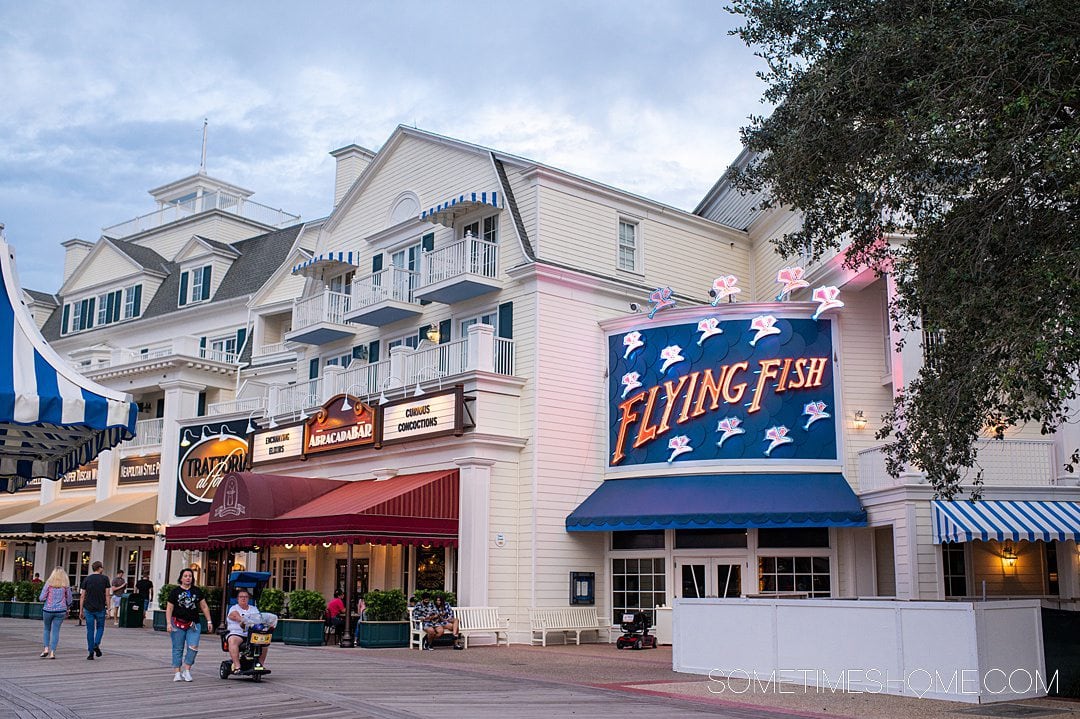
(698, 577)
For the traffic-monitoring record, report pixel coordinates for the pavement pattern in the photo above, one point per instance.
(133, 679)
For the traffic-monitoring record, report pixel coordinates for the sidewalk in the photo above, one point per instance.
(593, 680)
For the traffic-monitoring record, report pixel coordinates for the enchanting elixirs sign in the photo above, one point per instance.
(756, 388)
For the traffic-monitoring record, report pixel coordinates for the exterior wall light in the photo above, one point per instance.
(433, 334)
(1008, 554)
(859, 420)
(158, 527)
(288, 546)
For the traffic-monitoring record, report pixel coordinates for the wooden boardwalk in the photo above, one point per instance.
(133, 679)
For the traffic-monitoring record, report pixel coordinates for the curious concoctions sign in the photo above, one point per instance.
(742, 383)
(208, 452)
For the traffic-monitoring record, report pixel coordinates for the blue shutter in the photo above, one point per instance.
(241, 335)
(201, 410)
(427, 242)
(376, 263)
(89, 316)
(202, 347)
(138, 301)
(110, 304)
(183, 289)
(205, 283)
(373, 351)
(119, 306)
(444, 331)
(506, 320)
(64, 323)
(313, 368)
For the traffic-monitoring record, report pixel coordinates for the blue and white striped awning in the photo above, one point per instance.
(52, 419)
(964, 521)
(327, 261)
(446, 212)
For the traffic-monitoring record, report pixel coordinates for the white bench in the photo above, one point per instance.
(471, 620)
(565, 620)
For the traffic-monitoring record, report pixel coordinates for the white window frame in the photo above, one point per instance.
(102, 310)
(342, 361)
(412, 341)
(634, 248)
(482, 318)
(129, 302)
(342, 283)
(484, 227)
(198, 272)
(222, 345)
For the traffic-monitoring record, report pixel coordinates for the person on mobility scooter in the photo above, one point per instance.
(248, 630)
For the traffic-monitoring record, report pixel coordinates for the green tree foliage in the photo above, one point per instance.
(940, 139)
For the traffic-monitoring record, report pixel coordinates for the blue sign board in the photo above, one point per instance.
(754, 389)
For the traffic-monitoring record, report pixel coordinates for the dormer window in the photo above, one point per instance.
(194, 286)
(104, 309)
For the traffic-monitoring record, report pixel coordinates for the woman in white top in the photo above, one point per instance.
(237, 623)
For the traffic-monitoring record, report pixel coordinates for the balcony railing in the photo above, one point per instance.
(504, 356)
(147, 433)
(299, 396)
(233, 204)
(235, 406)
(186, 346)
(435, 363)
(469, 255)
(325, 307)
(393, 283)
(1004, 463)
(268, 350)
(366, 380)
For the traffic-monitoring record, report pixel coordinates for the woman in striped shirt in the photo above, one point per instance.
(57, 597)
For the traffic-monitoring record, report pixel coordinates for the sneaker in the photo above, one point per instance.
(177, 677)
(187, 675)
(90, 655)
(97, 650)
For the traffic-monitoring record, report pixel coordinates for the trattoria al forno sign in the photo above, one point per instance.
(208, 452)
(750, 384)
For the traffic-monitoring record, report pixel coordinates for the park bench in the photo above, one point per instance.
(471, 620)
(542, 621)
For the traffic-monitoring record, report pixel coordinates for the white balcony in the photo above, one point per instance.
(465, 269)
(320, 319)
(223, 201)
(148, 433)
(236, 406)
(271, 353)
(385, 297)
(1004, 463)
(181, 347)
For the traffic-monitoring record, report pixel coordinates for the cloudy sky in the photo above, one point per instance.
(103, 101)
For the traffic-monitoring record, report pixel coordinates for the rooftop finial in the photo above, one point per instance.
(202, 165)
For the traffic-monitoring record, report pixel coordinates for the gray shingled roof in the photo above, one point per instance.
(731, 207)
(227, 249)
(144, 256)
(44, 297)
(259, 257)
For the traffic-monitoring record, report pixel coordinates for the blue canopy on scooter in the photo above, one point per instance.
(254, 582)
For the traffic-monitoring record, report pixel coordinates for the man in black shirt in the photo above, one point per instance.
(92, 605)
(145, 589)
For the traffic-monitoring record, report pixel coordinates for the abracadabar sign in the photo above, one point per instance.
(755, 388)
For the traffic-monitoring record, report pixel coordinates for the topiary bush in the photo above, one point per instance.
(7, 591)
(271, 600)
(433, 594)
(163, 594)
(306, 604)
(24, 592)
(385, 606)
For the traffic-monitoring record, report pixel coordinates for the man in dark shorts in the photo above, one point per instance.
(92, 606)
(145, 589)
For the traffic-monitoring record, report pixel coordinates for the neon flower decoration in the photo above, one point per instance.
(632, 340)
(827, 299)
(670, 354)
(816, 411)
(730, 427)
(630, 382)
(660, 299)
(776, 436)
(708, 327)
(763, 326)
(792, 279)
(724, 288)
(678, 445)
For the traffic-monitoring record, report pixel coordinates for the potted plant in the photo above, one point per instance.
(386, 621)
(273, 601)
(305, 623)
(36, 606)
(7, 595)
(162, 600)
(213, 603)
(24, 594)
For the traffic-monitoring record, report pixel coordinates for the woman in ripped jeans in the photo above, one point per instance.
(182, 620)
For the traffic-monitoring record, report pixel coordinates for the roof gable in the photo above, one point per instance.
(104, 264)
(198, 247)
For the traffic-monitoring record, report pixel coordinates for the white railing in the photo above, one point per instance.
(217, 355)
(325, 307)
(235, 406)
(393, 283)
(233, 204)
(434, 363)
(187, 346)
(469, 255)
(269, 349)
(366, 380)
(1004, 463)
(504, 356)
(147, 433)
(299, 396)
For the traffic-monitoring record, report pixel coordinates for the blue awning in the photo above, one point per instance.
(446, 212)
(719, 501)
(52, 419)
(964, 521)
(327, 263)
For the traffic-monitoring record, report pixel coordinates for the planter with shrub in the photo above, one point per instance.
(24, 596)
(7, 596)
(273, 601)
(386, 622)
(304, 626)
(162, 600)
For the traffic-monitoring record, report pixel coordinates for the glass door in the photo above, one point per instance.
(692, 582)
(697, 578)
(728, 580)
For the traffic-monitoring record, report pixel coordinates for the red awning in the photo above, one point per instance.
(409, 509)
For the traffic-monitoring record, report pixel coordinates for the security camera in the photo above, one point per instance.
(635, 307)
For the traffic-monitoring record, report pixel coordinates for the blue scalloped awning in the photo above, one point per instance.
(720, 501)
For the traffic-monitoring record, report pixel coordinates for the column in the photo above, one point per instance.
(398, 366)
(909, 360)
(473, 526)
(108, 474)
(332, 382)
(482, 347)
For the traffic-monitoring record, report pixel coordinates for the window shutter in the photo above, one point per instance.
(202, 347)
(422, 334)
(89, 321)
(201, 411)
(241, 335)
(64, 323)
(183, 289)
(444, 331)
(313, 368)
(373, 351)
(138, 301)
(376, 263)
(427, 242)
(110, 304)
(118, 304)
(205, 283)
(506, 320)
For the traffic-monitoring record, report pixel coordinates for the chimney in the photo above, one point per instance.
(351, 161)
(76, 251)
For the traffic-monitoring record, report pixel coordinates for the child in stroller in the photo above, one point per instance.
(635, 626)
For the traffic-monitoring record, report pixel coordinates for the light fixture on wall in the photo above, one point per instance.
(185, 442)
(288, 546)
(433, 335)
(1008, 554)
(859, 421)
(250, 425)
(345, 406)
(158, 527)
(327, 545)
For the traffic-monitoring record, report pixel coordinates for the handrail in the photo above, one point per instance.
(469, 255)
(393, 283)
(326, 306)
(233, 204)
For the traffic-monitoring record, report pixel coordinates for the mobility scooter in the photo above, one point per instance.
(258, 633)
(635, 626)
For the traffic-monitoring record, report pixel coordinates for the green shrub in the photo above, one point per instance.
(7, 591)
(385, 606)
(272, 600)
(163, 594)
(433, 594)
(306, 604)
(24, 592)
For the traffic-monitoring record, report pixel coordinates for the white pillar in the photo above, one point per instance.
(1067, 441)
(474, 510)
(108, 474)
(398, 366)
(482, 348)
(181, 401)
(332, 382)
(909, 360)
